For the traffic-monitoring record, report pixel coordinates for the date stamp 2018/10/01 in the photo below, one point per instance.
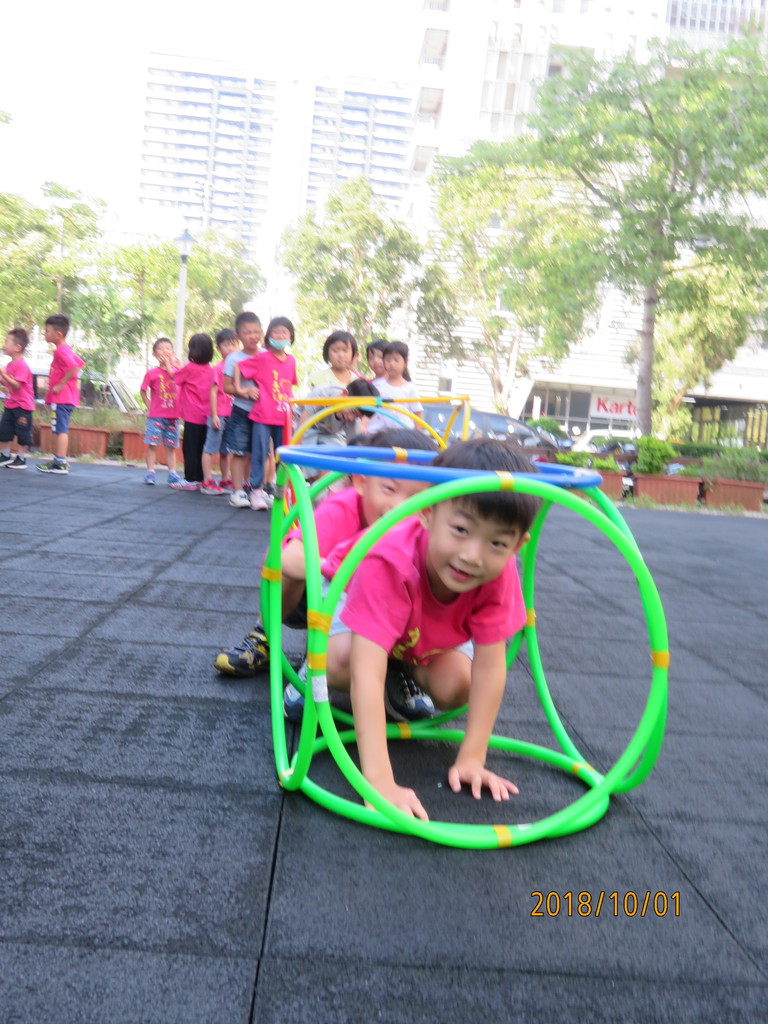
(606, 904)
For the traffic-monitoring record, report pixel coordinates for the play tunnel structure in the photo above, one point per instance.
(326, 728)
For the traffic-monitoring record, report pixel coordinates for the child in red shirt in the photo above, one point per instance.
(63, 390)
(16, 380)
(274, 372)
(194, 381)
(449, 577)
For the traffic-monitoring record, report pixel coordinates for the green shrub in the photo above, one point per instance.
(605, 464)
(547, 423)
(653, 455)
(734, 464)
(581, 459)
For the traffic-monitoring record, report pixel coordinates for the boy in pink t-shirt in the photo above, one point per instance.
(274, 372)
(16, 381)
(194, 381)
(63, 390)
(449, 577)
(162, 412)
(339, 519)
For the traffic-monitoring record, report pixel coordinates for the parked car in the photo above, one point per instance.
(606, 442)
(95, 391)
(489, 424)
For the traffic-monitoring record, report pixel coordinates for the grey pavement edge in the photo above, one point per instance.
(154, 871)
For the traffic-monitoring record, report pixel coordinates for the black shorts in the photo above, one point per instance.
(16, 423)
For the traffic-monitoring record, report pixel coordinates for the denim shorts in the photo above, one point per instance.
(16, 423)
(214, 439)
(60, 418)
(238, 433)
(163, 432)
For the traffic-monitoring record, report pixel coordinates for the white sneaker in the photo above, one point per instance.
(260, 501)
(239, 499)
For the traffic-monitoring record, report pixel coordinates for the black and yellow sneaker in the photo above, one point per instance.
(247, 659)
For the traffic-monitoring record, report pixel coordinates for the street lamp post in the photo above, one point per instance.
(185, 242)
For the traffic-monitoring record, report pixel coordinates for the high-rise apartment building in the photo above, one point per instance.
(207, 147)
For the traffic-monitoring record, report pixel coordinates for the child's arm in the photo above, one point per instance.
(489, 673)
(249, 392)
(368, 669)
(215, 421)
(65, 379)
(144, 392)
(9, 381)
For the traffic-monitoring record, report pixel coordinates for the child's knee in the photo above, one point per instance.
(337, 660)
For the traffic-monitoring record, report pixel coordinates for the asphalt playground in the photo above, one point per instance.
(152, 871)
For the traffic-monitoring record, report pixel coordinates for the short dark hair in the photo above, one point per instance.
(360, 388)
(59, 322)
(403, 437)
(512, 508)
(246, 317)
(200, 349)
(159, 342)
(378, 345)
(339, 336)
(20, 336)
(280, 321)
(227, 334)
(397, 348)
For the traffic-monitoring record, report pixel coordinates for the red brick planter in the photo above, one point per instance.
(133, 445)
(668, 490)
(612, 485)
(82, 440)
(742, 493)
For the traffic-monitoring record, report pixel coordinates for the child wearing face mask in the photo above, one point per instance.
(274, 371)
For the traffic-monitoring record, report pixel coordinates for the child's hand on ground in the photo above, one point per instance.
(405, 799)
(476, 775)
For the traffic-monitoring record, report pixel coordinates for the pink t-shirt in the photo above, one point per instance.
(390, 602)
(275, 379)
(338, 518)
(194, 382)
(63, 361)
(163, 394)
(223, 400)
(24, 396)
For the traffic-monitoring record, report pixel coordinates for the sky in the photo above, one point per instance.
(72, 74)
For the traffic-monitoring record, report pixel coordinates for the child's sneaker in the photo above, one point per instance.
(293, 704)
(6, 457)
(239, 499)
(210, 487)
(54, 466)
(186, 485)
(403, 700)
(174, 478)
(149, 476)
(18, 463)
(227, 486)
(247, 659)
(261, 501)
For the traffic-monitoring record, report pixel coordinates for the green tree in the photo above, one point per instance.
(667, 153)
(220, 280)
(26, 295)
(74, 221)
(354, 266)
(514, 255)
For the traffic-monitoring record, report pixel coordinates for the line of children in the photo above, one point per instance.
(453, 598)
(160, 396)
(16, 421)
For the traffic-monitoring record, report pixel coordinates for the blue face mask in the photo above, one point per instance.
(279, 343)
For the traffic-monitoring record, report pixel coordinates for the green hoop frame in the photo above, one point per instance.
(568, 488)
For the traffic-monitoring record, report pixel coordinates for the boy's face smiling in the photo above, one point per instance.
(250, 336)
(380, 494)
(465, 550)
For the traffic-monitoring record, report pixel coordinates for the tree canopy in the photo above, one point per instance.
(669, 157)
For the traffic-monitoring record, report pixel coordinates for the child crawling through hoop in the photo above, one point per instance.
(339, 520)
(453, 598)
